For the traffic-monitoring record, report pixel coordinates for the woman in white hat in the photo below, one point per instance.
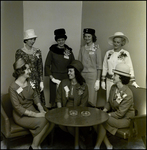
(33, 57)
(120, 106)
(90, 56)
(58, 58)
(112, 58)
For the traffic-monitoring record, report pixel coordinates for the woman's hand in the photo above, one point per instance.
(103, 85)
(56, 81)
(40, 115)
(135, 84)
(41, 108)
(97, 85)
(41, 86)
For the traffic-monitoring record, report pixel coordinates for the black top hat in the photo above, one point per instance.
(60, 33)
(89, 30)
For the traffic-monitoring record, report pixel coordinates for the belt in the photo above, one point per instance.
(109, 76)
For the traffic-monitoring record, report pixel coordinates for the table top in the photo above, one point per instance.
(76, 116)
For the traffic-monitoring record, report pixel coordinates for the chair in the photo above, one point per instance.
(137, 127)
(9, 129)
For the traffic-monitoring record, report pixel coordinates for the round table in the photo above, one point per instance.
(76, 117)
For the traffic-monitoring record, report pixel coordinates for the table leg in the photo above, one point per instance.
(76, 138)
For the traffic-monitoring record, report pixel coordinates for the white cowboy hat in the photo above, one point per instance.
(30, 33)
(117, 34)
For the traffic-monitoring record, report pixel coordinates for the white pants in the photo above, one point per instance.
(109, 83)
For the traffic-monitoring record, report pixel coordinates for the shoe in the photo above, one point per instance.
(82, 145)
(30, 147)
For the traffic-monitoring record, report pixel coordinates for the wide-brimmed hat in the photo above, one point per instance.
(117, 34)
(60, 33)
(122, 69)
(89, 31)
(77, 64)
(18, 64)
(29, 34)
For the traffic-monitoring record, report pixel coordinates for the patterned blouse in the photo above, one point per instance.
(35, 62)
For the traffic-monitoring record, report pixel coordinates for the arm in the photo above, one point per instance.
(59, 96)
(123, 107)
(40, 69)
(48, 64)
(80, 55)
(84, 98)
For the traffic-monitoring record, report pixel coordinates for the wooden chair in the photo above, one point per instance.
(9, 129)
(137, 127)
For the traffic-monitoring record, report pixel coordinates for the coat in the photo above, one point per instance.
(80, 94)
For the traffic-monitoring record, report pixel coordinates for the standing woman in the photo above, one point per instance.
(90, 56)
(33, 57)
(59, 57)
(24, 98)
(112, 58)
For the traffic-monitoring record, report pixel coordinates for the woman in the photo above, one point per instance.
(90, 56)
(24, 98)
(120, 105)
(33, 57)
(112, 58)
(59, 57)
(73, 92)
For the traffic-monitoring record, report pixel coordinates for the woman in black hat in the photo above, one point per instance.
(73, 92)
(120, 106)
(90, 56)
(24, 98)
(59, 57)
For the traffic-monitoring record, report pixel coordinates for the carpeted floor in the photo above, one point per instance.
(63, 140)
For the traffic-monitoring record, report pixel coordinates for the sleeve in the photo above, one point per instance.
(15, 102)
(40, 65)
(72, 56)
(108, 105)
(17, 55)
(99, 58)
(84, 100)
(105, 66)
(129, 63)
(80, 55)
(48, 64)
(123, 107)
(36, 98)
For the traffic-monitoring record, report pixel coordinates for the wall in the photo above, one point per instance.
(128, 17)
(44, 17)
(11, 39)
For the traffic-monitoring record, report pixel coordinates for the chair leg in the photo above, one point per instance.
(51, 137)
(8, 143)
(144, 140)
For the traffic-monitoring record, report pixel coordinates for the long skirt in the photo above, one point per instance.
(90, 81)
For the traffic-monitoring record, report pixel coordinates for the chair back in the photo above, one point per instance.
(6, 104)
(139, 96)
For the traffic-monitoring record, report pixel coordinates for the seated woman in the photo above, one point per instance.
(72, 91)
(120, 106)
(23, 97)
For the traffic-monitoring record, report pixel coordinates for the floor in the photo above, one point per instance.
(63, 140)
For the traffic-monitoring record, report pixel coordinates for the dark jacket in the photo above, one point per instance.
(80, 94)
